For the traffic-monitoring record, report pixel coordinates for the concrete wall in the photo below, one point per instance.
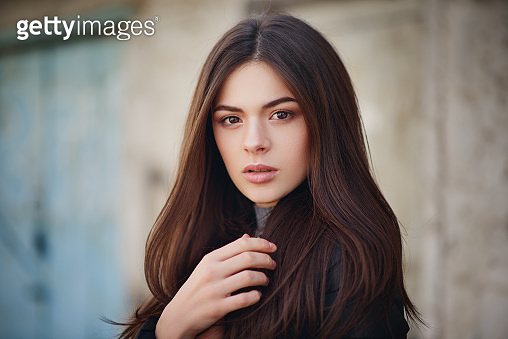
(464, 252)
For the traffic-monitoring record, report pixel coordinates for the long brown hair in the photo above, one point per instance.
(338, 207)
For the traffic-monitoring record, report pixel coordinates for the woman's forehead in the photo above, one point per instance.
(252, 82)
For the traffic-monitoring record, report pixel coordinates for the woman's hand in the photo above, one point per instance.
(206, 296)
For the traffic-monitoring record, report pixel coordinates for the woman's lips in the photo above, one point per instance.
(259, 173)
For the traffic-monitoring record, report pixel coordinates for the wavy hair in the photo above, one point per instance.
(338, 207)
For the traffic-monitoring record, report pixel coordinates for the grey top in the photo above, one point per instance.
(261, 216)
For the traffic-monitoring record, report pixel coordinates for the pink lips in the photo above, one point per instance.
(259, 173)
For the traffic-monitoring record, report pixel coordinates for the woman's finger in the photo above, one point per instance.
(242, 300)
(247, 278)
(246, 260)
(243, 244)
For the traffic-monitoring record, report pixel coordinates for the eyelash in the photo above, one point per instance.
(226, 119)
(288, 114)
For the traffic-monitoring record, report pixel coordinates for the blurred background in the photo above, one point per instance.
(90, 130)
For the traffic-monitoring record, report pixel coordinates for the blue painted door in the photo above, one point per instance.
(60, 118)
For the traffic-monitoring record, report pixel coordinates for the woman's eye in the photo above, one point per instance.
(231, 120)
(280, 115)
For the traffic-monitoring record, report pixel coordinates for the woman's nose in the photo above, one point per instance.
(256, 139)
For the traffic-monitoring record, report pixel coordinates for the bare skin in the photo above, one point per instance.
(206, 296)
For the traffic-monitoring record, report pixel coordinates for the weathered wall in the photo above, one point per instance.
(464, 252)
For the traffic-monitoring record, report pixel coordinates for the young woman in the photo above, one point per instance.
(275, 226)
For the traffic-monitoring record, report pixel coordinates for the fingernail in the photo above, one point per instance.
(273, 246)
(274, 264)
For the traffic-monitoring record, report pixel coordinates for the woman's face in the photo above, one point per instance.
(261, 134)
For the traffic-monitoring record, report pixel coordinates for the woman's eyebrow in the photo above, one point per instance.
(278, 101)
(226, 108)
(268, 105)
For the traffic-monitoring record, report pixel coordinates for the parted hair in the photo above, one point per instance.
(338, 206)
